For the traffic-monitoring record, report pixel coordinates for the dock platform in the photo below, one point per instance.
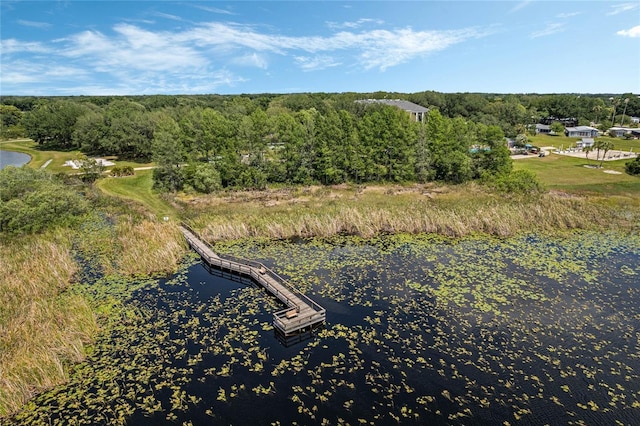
(301, 313)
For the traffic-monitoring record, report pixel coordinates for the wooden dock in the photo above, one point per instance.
(301, 313)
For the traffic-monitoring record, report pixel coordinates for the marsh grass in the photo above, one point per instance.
(46, 321)
(149, 247)
(366, 212)
(43, 327)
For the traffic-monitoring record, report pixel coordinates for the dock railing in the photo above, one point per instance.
(257, 271)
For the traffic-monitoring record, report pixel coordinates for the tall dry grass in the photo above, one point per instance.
(43, 328)
(148, 247)
(450, 211)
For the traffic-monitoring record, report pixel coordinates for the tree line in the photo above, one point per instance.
(206, 142)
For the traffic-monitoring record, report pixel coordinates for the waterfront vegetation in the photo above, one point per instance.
(82, 279)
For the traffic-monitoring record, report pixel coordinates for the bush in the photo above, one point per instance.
(34, 200)
(633, 167)
(122, 171)
(518, 182)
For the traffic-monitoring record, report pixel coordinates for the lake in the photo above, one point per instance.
(420, 330)
(11, 158)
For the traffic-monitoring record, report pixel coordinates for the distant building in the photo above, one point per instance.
(585, 142)
(621, 131)
(417, 112)
(635, 120)
(566, 121)
(581, 132)
(544, 129)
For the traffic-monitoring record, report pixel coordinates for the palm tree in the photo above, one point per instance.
(604, 146)
(626, 101)
(597, 109)
(615, 103)
(587, 150)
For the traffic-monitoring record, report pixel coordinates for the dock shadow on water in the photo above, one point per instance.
(420, 330)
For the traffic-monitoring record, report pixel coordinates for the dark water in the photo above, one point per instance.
(420, 331)
(11, 158)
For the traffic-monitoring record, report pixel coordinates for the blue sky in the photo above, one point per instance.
(197, 47)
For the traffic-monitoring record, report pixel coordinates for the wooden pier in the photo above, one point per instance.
(301, 313)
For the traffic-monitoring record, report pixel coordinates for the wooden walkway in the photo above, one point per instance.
(301, 313)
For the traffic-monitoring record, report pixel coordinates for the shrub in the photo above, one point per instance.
(518, 182)
(633, 167)
(34, 200)
(122, 171)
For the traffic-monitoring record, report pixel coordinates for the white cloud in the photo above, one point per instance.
(567, 15)
(132, 59)
(632, 32)
(316, 63)
(551, 28)
(353, 24)
(214, 10)
(520, 5)
(15, 46)
(167, 16)
(252, 60)
(34, 24)
(622, 8)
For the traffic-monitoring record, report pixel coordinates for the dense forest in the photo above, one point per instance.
(206, 142)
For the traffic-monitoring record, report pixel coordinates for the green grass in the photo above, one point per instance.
(138, 188)
(570, 174)
(558, 141)
(40, 156)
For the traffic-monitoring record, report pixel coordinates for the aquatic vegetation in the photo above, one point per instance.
(421, 330)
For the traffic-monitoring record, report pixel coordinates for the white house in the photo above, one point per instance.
(417, 112)
(543, 128)
(581, 132)
(585, 142)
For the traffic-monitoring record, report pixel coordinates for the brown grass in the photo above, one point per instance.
(149, 247)
(451, 211)
(43, 328)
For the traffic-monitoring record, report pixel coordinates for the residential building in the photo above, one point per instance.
(544, 129)
(417, 112)
(585, 142)
(581, 132)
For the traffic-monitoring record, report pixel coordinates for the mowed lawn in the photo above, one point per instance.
(40, 156)
(138, 188)
(570, 174)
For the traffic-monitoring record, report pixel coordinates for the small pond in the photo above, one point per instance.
(11, 158)
(421, 330)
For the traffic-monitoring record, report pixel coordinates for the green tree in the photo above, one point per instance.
(203, 177)
(33, 200)
(633, 167)
(605, 146)
(52, 123)
(169, 154)
(11, 122)
(557, 128)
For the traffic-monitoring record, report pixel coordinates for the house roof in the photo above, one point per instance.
(581, 129)
(404, 105)
(543, 127)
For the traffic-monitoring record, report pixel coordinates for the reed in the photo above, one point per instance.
(43, 327)
(148, 247)
(450, 211)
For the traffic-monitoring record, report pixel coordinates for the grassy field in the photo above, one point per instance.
(570, 174)
(138, 188)
(558, 141)
(40, 156)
